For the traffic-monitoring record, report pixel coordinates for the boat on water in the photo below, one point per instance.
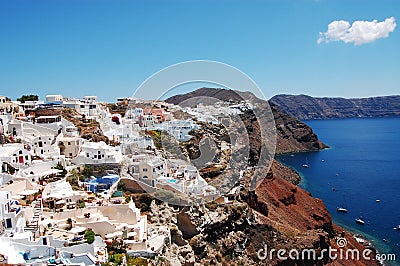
(323, 161)
(340, 209)
(397, 228)
(360, 221)
(306, 164)
(378, 200)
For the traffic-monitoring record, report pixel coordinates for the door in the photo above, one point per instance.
(8, 223)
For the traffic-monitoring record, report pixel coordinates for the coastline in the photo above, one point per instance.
(376, 243)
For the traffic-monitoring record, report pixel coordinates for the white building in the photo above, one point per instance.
(15, 154)
(116, 220)
(61, 190)
(98, 153)
(10, 211)
(135, 114)
(186, 179)
(45, 146)
(30, 105)
(147, 168)
(88, 106)
(179, 129)
(39, 171)
(54, 98)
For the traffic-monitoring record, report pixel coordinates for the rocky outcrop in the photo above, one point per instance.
(292, 134)
(306, 107)
(277, 214)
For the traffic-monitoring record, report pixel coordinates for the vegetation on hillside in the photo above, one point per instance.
(30, 97)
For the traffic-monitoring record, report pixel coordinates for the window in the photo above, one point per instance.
(145, 176)
(69, 143)
(144, 169)
(87, 154)
(70, 154)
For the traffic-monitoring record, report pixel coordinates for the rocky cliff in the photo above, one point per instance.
(306, 107)
(292, 134)
(278, 214)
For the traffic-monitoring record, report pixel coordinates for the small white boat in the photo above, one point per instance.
(306, 164)
(397, 228)
(360, 221)
(378, 200)
(322, 160)
(340, 209)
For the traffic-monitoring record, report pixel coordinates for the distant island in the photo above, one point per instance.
(305, 107)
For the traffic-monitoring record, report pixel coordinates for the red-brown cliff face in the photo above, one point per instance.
(278, 213)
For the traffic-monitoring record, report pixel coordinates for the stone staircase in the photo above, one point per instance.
(33, 226)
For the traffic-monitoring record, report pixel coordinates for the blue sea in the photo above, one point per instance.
(361, 166)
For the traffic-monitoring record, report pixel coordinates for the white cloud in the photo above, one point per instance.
(359, 32)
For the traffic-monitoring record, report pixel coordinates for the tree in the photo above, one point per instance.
(30, 97)
(87, 171)
(89, 236)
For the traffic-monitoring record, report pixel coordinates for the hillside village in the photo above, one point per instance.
(63, 160)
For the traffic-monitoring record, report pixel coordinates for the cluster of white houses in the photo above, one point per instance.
(42, 219)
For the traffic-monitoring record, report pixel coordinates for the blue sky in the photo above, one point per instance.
(108, 48)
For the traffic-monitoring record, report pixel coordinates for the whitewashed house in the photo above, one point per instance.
(110, 221)
(135, 114)
(87, 106)
(54, 98)
(147, 168)
(39, 171)
(186, 179)
(98, 153)
(28, 131)
(45, 146)
(148, 121)
(10, 211)
(29, 105)
(60, 190)
(179, 129)
(15, 154)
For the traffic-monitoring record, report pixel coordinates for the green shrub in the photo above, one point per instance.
(89, 236)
